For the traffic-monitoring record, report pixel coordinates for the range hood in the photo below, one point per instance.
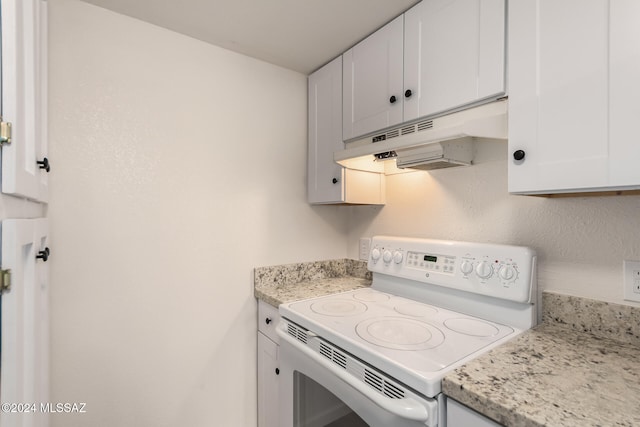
(427, 144)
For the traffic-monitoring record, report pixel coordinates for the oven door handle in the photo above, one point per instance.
(406, 407)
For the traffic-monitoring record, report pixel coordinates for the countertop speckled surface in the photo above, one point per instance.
(580, 367)
(292, 282)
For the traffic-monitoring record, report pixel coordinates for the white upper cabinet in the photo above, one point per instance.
(24, 98)
(372, 85)
(624, 93)
(325, 134)
(441, 55)
(454, 55)
(573, 95)
(327, 181)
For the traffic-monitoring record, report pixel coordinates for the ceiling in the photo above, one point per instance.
(300, 35)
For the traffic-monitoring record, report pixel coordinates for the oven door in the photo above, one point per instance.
(322, 386)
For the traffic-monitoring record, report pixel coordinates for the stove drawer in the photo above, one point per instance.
(268, 318)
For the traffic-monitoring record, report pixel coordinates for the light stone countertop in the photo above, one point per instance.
(292, 282)
(580, 367)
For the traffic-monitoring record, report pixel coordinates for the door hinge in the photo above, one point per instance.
(5, 281)
(5, 132)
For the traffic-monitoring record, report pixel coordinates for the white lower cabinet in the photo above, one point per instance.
(328, 182)
(459, 415)
(268, 318)
(25, 321)
(267, 382)
(573, 96)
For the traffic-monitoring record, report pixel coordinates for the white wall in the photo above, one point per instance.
(179, 167)
(580, 241)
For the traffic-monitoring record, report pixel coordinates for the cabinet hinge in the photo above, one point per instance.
(5, 281)
(5, 132)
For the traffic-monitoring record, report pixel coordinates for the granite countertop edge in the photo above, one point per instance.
(571, 370)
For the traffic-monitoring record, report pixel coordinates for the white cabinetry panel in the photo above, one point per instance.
(372, 85)
(325, 177)
(573, 93)
(268, 402)
(268, 374)
(24, 97)
(454, 54)
(25, 321)
(440, 56)
(624, 99)
(327, 181)
(459, 415)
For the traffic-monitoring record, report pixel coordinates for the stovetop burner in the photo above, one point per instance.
(416, 309)
(400, 333)
(368, 295)
(338, 307)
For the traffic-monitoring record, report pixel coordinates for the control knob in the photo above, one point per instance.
(466, 267)
(484, 270)
(507, 272)
(387, 256)
(397, 257)
(375, 254)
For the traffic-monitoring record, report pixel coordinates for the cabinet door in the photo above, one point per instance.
(459, 415)
(267, 382)
(372, 82)
(558, 95)
(327, 181)
(24, 97)
(325, 177)
(454, 55)
(25, 321)
(624, 150)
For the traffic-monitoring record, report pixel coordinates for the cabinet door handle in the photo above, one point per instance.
(267, 320)
(44, 164)
(519, 154)
(408, 93)
(334, 180)
(277, 371)
(43, 255)
(392, 99)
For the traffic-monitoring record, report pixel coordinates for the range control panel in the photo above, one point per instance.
(502, 271)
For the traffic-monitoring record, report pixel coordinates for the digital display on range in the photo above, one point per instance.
(431, 258)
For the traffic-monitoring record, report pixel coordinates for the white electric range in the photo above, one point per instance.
(382, 352)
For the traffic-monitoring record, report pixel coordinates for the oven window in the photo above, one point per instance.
(315, 406)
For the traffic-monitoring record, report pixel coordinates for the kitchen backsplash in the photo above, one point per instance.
(306, 271)
(602, 319)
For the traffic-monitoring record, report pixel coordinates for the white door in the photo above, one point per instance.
(624, 87)
(24, 337)
(326, 177)
(24, 97)
(372, 82)
(268, 374)
(558, 95)
(454, 55)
